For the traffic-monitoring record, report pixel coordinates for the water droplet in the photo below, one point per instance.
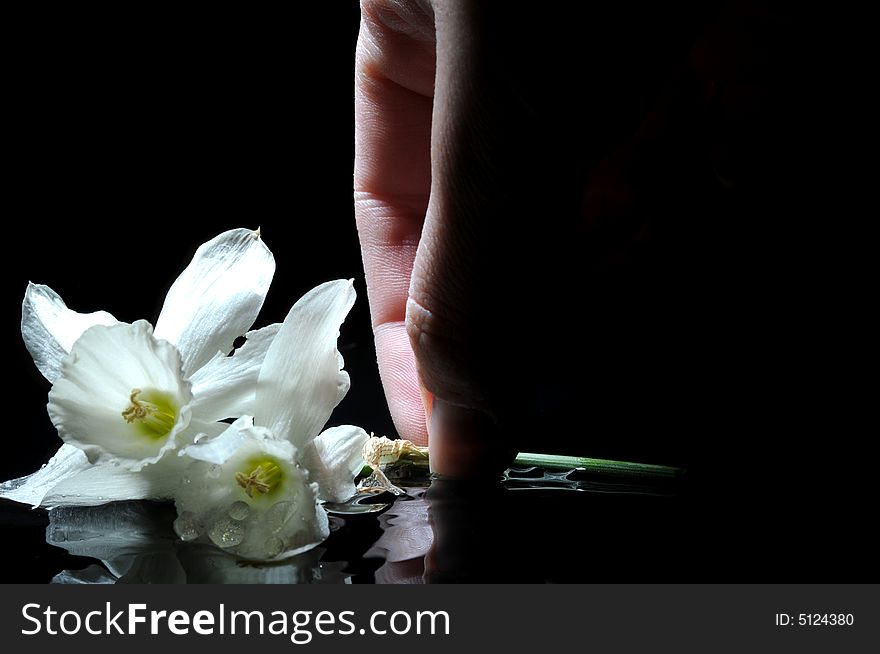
(214, 471)
(226, 533)
(186, 481)
(274, 546)
(278, 515)
(239, 511)
(187, 526)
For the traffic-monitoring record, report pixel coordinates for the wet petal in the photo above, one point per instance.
(225, 387)
(231, 440)
(107, 482)
(67, 462)
(217, 298)
(70, 480)
(300, 383)
(248, 495)
(50, 329)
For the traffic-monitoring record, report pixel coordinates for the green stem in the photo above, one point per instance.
(600, 466)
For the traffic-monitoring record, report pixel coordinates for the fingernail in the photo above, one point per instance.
(466, 443)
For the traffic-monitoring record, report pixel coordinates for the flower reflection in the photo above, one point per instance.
(135, 543)
(527, 529)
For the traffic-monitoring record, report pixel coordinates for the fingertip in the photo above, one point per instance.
(467, 443)
(397, 368)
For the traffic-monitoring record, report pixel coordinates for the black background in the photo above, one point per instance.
(136, 138)
(133, 137)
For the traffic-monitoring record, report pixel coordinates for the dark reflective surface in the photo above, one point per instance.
(552, 535)
(533, 527)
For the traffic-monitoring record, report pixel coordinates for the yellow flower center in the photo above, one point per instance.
(261, 476)
(152, 412)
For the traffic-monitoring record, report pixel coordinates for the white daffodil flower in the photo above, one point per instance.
(254, 489)
(121, 366)
(124, 395)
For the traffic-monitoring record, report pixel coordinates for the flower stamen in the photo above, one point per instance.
(262, 479)
(155, 418)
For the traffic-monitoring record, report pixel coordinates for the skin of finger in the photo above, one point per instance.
(393, 87)
(391, 192)
(397, 368)
(446, 316)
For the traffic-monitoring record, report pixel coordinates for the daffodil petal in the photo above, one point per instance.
(300, 381)
(106, 482)
(67, 462)
(220, 448)
(102, 377)
(50, 329)
(225, 387)
(70, 480)
(334, 460)
(217, 298)
(202, 430)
